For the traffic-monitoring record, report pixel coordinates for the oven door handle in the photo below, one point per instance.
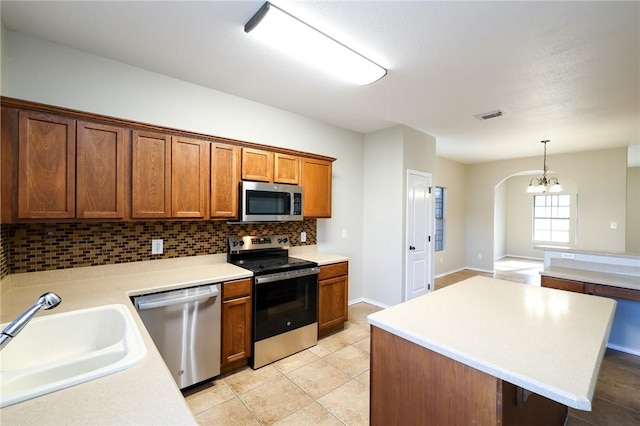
(286, 275)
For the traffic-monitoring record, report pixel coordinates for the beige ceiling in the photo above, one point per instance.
(565, 71)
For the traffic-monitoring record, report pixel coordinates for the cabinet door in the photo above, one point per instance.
(100, 173)
(150, 175)
(225, 175)
(316, 185)
(257, 164)
(236, 322)
(8, 170)
(189, 177)
(286, 169)
(332, 300)
(46, 166)
(561, 284)
(236, 330)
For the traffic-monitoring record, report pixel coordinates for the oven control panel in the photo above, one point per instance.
(237, 244)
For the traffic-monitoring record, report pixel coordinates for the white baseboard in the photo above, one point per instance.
(450, 272)
(488, 271)
(541, 259)
(626, 349)
(369, 301)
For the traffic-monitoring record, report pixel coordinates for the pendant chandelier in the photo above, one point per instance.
(544, 184)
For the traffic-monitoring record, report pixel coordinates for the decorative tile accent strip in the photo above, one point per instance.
(4, 251)
(43, 247)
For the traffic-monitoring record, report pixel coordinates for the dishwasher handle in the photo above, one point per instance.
(181, 296)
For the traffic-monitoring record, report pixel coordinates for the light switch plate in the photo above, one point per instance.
(303, 237)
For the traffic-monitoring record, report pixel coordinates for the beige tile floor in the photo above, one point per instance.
(329, 383)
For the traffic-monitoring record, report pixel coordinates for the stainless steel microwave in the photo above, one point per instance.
(267, 202)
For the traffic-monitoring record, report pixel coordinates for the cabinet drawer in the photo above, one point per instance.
(561, 284)
(334, 270)
(617, 292)
(234, 289)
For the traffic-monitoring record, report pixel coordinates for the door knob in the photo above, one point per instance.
(412, 248)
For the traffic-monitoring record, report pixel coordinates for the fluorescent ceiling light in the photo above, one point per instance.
(291, 35)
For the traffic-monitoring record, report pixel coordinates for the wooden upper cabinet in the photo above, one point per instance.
(100, 171)
(150, 175)
(316, 185)
(9, 167)
(257, 164)
(46, 166)
(189, 177)
(286, 169)
(225, 176)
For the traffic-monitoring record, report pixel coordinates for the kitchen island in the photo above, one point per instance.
(487, 351)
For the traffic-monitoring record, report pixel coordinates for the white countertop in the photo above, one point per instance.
(146, 392)
(561, 249)
(321, 259)
(142, 394)
(594, 277)
(550, 342)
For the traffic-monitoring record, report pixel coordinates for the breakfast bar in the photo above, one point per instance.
(487, 351)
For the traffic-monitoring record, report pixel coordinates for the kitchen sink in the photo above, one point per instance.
(62, 350)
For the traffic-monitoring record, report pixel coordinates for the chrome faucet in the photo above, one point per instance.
(46, 301)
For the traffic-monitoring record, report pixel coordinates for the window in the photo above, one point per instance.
(551, 215)
(439, 210)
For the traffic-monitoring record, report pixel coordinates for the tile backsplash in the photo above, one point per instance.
(48, 246)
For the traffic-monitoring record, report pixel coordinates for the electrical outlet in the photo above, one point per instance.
(479, 256)
(568, 256)
(156, 246)
(303, 237)
(344, 233)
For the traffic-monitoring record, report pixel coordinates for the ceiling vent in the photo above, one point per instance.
(488, 115)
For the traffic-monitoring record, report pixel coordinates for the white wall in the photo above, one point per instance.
(382, 219)
(500, 221)
(633, 210)
(42, 71)
(601, 177)
(451, 175)
(387, 156)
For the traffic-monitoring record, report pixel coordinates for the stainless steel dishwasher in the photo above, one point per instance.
(185, 326)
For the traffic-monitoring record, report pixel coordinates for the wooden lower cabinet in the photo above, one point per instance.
(590, 288)
(561, 284)
(412, 385)
(333, 290)
(236, 324)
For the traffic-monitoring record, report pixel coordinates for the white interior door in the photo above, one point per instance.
(419, 250)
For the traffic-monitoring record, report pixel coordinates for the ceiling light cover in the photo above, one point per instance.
(289, 34)
(543, 184)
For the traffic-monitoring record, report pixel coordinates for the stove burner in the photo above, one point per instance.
(264, 255)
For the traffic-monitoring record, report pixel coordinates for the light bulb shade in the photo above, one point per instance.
(555, 185)
(289, 34)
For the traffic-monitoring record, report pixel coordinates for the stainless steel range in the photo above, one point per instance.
(285, 294)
